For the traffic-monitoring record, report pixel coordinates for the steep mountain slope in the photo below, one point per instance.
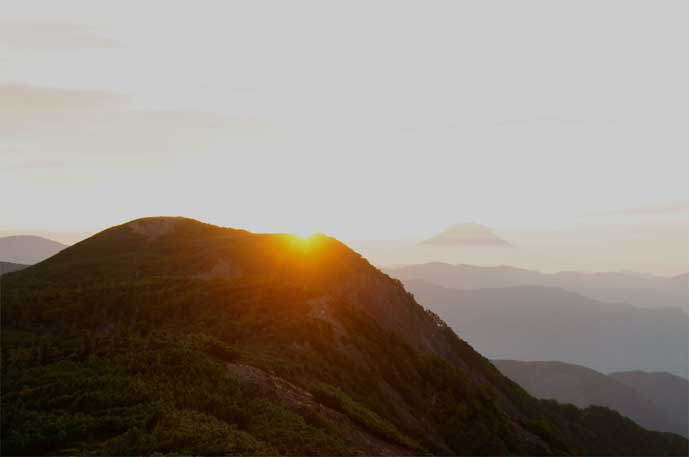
(568, 383)
(27, 249)
(8, 267)
(617, 287)
(545, 323)
(170, 335)
(670, 393)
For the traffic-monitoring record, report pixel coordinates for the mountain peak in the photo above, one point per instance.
(467, 234)
(180, 247)
(154, 227)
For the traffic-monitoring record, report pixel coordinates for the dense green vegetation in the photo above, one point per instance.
(160, 393)
(116, 347)
(107, 388)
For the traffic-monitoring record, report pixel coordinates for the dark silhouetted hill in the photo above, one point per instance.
(657, 401)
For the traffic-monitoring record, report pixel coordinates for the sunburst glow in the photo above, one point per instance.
(306, 242)
(303, 234)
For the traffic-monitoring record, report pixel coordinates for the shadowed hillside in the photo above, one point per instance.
(669, 392)
(657, 401)
(173, 336)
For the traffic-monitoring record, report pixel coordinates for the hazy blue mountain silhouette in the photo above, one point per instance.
(467, 234)
(626, 287)
(548, 323)
(28, 249)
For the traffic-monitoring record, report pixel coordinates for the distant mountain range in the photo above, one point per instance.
(28, 249)
(657, 401)
(658, 248)
(624, 287)
(548, 323)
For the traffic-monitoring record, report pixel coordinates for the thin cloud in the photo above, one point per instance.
(39, 124)
(679, 207)
(31, 165)
(540, 120)
(38, 36)
(26, 98)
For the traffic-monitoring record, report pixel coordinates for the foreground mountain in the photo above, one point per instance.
(9, 267)
(173, 336)
(669, 392)
(547, 323)
(644, 291)
(466, 235)
(27, 249)
(657, 401)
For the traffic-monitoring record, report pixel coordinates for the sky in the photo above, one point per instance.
(362, 120)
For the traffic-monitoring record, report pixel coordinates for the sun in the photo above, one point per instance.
(305, 242)
(303, 234)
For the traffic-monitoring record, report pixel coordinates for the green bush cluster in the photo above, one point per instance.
(165, 393)
(335, 398)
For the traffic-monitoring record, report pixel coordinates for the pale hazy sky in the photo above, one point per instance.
(363, 120)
